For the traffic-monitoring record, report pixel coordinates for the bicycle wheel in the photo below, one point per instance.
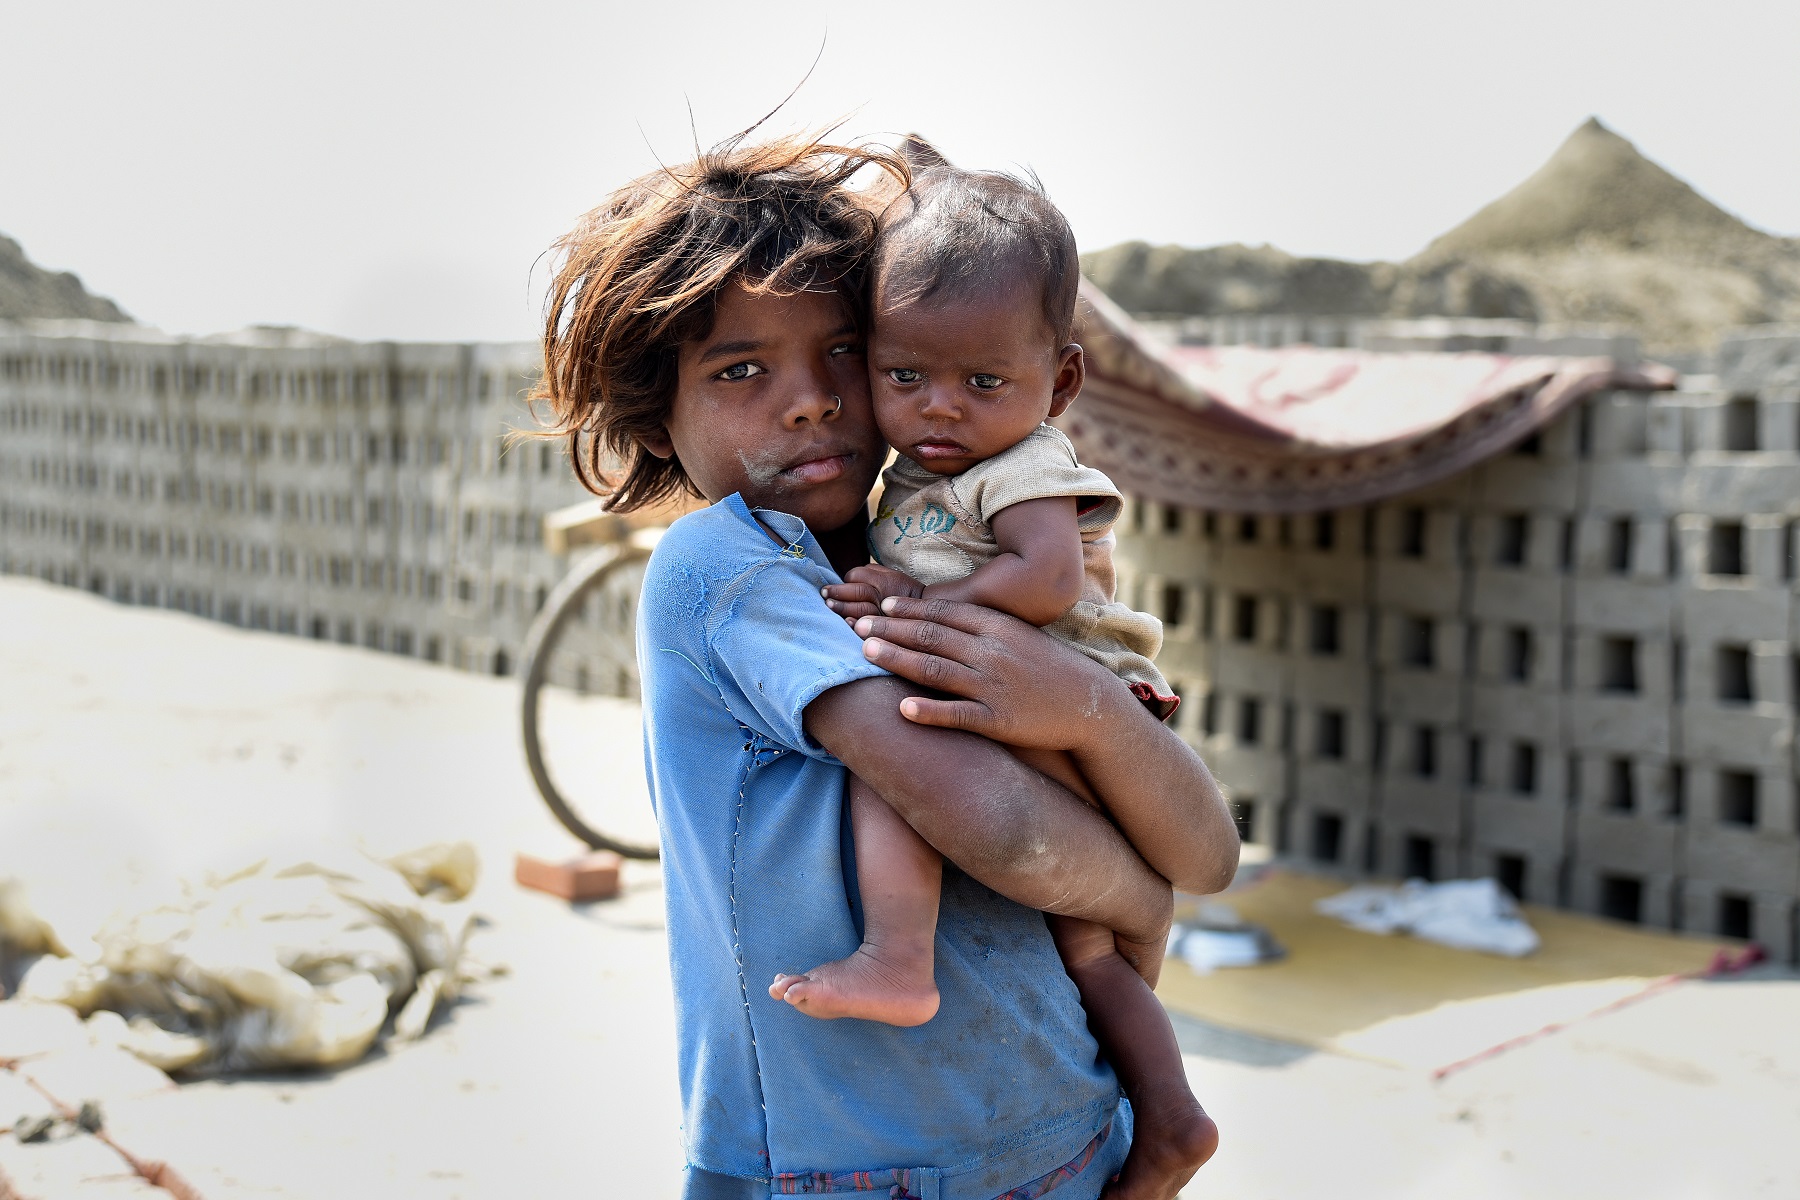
(608, 656)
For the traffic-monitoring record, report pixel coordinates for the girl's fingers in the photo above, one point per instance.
(928, 670)
(970, 618)
(966, 715)
(926, 636)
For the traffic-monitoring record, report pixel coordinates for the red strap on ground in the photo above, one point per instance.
(1723, 963)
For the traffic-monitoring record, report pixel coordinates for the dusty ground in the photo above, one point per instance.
(136, 745)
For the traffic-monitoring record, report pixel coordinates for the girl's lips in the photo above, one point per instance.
(819, 470)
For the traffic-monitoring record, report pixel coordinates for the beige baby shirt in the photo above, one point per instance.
(937, 528)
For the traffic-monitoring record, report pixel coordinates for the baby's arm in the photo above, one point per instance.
(1036, 576)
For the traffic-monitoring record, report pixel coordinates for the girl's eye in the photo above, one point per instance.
(985, 383)
(739, 371)
(846, 348)
(904, 375)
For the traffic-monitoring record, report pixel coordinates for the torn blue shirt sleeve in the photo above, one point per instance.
(776, 648)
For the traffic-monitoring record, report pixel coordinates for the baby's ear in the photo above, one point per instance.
(659, 444)
(1071, 373)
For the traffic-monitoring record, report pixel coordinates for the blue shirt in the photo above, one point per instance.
(1003, 1085)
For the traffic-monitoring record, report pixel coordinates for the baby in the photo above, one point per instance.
(972, 300)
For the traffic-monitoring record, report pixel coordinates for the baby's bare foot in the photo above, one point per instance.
(1168, 1145)
(867, 986)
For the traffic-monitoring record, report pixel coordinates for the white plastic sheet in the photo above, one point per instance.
(1468, 914)
(282, 963)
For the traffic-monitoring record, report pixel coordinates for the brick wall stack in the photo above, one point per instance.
(1571, 668)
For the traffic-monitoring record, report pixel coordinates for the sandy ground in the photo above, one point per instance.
(138, 746)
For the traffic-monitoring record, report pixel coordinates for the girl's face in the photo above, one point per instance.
(774, 404)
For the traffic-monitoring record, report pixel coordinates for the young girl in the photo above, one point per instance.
(703, 335)
(973, 300)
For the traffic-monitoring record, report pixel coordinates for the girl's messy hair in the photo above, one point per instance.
(640, 275)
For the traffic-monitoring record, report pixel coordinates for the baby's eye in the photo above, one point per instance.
(904, 375)
(739, 371)
(985, 383)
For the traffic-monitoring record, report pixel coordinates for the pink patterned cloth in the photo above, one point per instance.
(1246, 429)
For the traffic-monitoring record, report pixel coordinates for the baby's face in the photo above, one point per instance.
(956, 381)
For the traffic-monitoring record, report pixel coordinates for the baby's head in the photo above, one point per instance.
(972, 305)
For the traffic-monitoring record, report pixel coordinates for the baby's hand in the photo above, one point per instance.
(863, 590)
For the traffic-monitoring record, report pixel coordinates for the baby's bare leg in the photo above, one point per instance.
(1173, 1137)
(889, 977)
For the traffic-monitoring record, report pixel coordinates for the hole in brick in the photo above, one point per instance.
(1243, 812)
(1523, 773)
(1327, 837)
(1531, 447)
(1421, 858)
(1619, 664)
(1326, 631)
(1734, 916)
(1209, 714)
(1372, 848)
(1174, 603)
(1171, 519)
(1737, 798)
(1324, 531)
(1725, 548)
(1249, 721)
(1732, 668)
(1209, 525)
(1472, 771)
(1243, 618)
(1248, 528)
(1417, 635)
(1517, 654)
(1514, 536)
(1330, 733)
(1412, 533)
(1620, 533)
(1425, 752)
(1621, 788)
(1509, 873)
(1740, 425)
(1677, 790)
(1622, 898)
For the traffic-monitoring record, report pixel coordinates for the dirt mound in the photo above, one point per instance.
(27, 291)
(1596, 192)
(1598, 235)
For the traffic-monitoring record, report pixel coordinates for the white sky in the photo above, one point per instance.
(385, 170)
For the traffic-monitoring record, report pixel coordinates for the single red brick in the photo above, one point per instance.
(591, 877)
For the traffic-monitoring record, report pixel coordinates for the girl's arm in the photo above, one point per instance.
(1036, 576)
(1020, 686)
(1003, 823)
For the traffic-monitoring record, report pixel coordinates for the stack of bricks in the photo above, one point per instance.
(1571, 667)
(362, 493)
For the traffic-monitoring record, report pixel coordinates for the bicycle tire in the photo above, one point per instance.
(560, 607)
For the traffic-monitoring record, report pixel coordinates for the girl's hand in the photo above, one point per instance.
(1009, 681)
(864, 588)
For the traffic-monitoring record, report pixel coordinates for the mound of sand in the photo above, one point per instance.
(28, 291)
(1598, 235)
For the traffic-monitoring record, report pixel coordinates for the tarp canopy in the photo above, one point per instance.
(1301, 429)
